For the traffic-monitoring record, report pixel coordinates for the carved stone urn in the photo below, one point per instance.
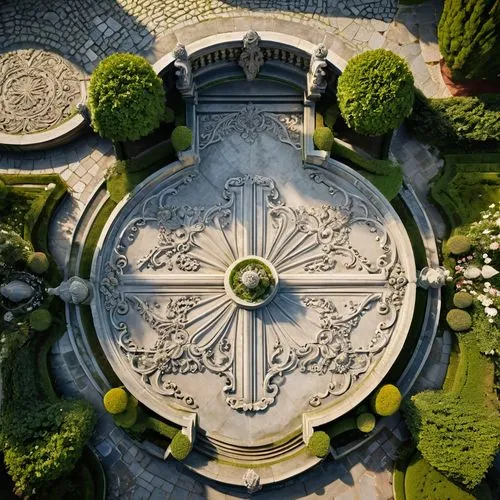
(17, 291)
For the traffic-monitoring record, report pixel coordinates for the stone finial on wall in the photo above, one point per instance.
(252, 481)
(316, 76)
(251, 58)
(433, 277)
(184, 71)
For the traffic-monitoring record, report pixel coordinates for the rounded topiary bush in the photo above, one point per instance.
(181, 446)
(323, 138)
(115, 400)
(459, 320)
(458, 245)
(319, 444)
(38, 262)
(181, 138)
(386, 400)
(375, 92)
(40, 320)
(126, 98)
(366, 422)
(128, 418)
(462, 300)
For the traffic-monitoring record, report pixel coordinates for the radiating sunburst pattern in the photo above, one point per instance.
(327, 286)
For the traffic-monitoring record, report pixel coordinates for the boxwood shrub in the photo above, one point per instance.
(459, 436)
(40, 320)
(456, 121)
(115, 400)
(386, 400)
(459, 320)
(181, 446)
(38, 262)
(375, 92)
(458, 245)
(323, 138)
(319, 444)
(181, 138)
(462, 300)
(126, 98)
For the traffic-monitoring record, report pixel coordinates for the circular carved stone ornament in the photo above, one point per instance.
(38, 91)
(254, 377)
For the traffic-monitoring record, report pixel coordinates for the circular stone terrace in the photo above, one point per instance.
(250, 384)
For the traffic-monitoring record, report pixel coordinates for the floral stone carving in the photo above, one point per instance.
(328, 285)
(251, 58)
(38, 90)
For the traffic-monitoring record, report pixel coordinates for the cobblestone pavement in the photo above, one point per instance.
(88, 30)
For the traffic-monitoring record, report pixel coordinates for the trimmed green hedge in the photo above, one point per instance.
(126, 98)
(467, 185)
(469, 38)
(422, 481)
(453, 123)
(385, 175)
(375, 92)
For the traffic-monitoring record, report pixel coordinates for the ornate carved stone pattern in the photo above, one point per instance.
(38, 90)
(249, 122)
(324, 279)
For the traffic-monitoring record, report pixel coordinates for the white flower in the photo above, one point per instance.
(485, 216)
(492, 205)
(487, 260)
(495, 245)
(491, 311)
(497, 222)
(485, 255)
(487, 231)
(487, 284)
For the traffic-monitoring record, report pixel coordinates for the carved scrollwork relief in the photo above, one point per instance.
(249, 122)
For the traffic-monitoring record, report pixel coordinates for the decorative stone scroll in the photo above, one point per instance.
(249, 122)
(316, 76)
(251, 58)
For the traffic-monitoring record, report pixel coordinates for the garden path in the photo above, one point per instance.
(86, 32)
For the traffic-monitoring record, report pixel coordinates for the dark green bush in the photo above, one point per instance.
(386, 400)
(126, 98)
(366, 422)
(40, 320)
(462, 300)
(115, 400)
(13, 248)
(3, 194)
(469, 39)
(181, 138)
(375, 92)
(52, 444)
(459, 320)
(38, 262)
(457, 436)
(168, 115)
(323, 138)
(319, 444)
(455, 122)
(458, 245)
(180, 446)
